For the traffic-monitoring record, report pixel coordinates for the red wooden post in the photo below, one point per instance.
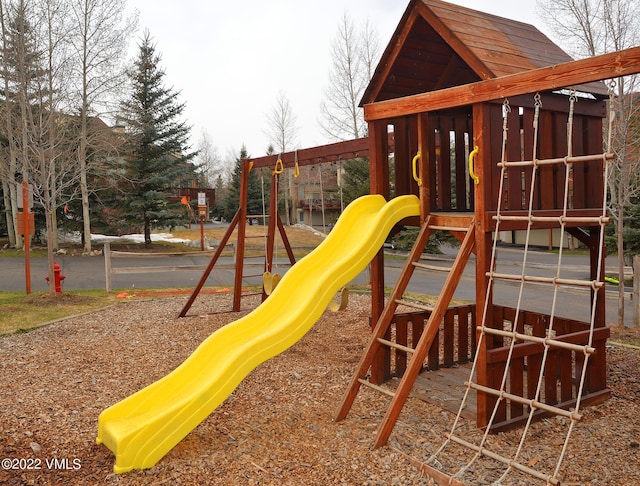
(482, 138)
(242, 227)
(425, 162)
(378, 163)
(27, 235)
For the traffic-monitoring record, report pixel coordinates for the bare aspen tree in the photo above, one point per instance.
(282, 124)
(52, 154)
(282, 132)
(589, 28)
(208, 161)
(40, 134)
(102, 34)
(54, 31)
(354, 54)
(9, 160)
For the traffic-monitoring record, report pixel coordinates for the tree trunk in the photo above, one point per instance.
(8, 213)
(620, 265)
(84, 189)
(50, 261)
(147, 232)
(636, 290)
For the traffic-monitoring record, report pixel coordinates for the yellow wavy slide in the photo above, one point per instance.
(144, 427)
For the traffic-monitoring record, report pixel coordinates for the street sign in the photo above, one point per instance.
(202, 199)
(32, 226)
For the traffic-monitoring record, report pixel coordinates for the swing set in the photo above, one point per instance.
(278, 164)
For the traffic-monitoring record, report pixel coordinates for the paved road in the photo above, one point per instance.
(89, 273)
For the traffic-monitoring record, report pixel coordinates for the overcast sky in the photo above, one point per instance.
(231, 59)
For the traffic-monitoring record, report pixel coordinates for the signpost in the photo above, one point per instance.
(26, 227)
(202, 213)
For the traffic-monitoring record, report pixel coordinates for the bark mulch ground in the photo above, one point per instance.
(277, 427)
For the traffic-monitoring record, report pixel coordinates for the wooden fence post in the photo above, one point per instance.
(107, 265)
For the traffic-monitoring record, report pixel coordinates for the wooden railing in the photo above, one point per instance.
(562, 369)
(454, 344)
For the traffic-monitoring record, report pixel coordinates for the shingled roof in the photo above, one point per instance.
(438, 45)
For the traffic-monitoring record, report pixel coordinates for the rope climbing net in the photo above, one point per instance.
(514, 334)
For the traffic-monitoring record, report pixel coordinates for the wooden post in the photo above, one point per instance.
(423, 165)
(481, 138)
(273, 218)
(242, 228)
(379, 169)
(106, 249)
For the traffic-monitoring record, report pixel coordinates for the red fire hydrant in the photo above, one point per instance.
(57, 277)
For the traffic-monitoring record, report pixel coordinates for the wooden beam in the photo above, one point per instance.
(349, 149)
(606, 66)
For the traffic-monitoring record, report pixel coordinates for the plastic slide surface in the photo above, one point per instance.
(144, 427)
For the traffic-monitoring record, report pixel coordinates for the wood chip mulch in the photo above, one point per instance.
(277, 427)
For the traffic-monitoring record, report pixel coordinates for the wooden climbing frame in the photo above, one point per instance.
(549, 173)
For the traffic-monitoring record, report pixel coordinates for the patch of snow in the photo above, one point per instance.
(74, 237)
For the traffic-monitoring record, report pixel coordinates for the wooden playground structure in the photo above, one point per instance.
(495, 130)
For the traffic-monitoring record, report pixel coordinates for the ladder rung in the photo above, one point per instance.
(558, 160)
(253, 275)
(254, 236)
(555, 343)
(457, 229)
(426, 266)
(509, 462)
(554, 219)
(415, 305)
(594, 284)
(376, 387)
(391, 344)
(534, 404)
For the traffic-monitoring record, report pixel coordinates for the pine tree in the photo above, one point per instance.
(254, 200)
(356, 179)
(158, 150)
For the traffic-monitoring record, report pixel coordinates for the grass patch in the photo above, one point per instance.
(22, 312)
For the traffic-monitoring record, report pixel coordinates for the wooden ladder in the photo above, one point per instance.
(419, 353)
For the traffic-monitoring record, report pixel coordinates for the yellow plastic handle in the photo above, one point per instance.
(414, 167)
(296, 170)
(472, 156)
(279, 169)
